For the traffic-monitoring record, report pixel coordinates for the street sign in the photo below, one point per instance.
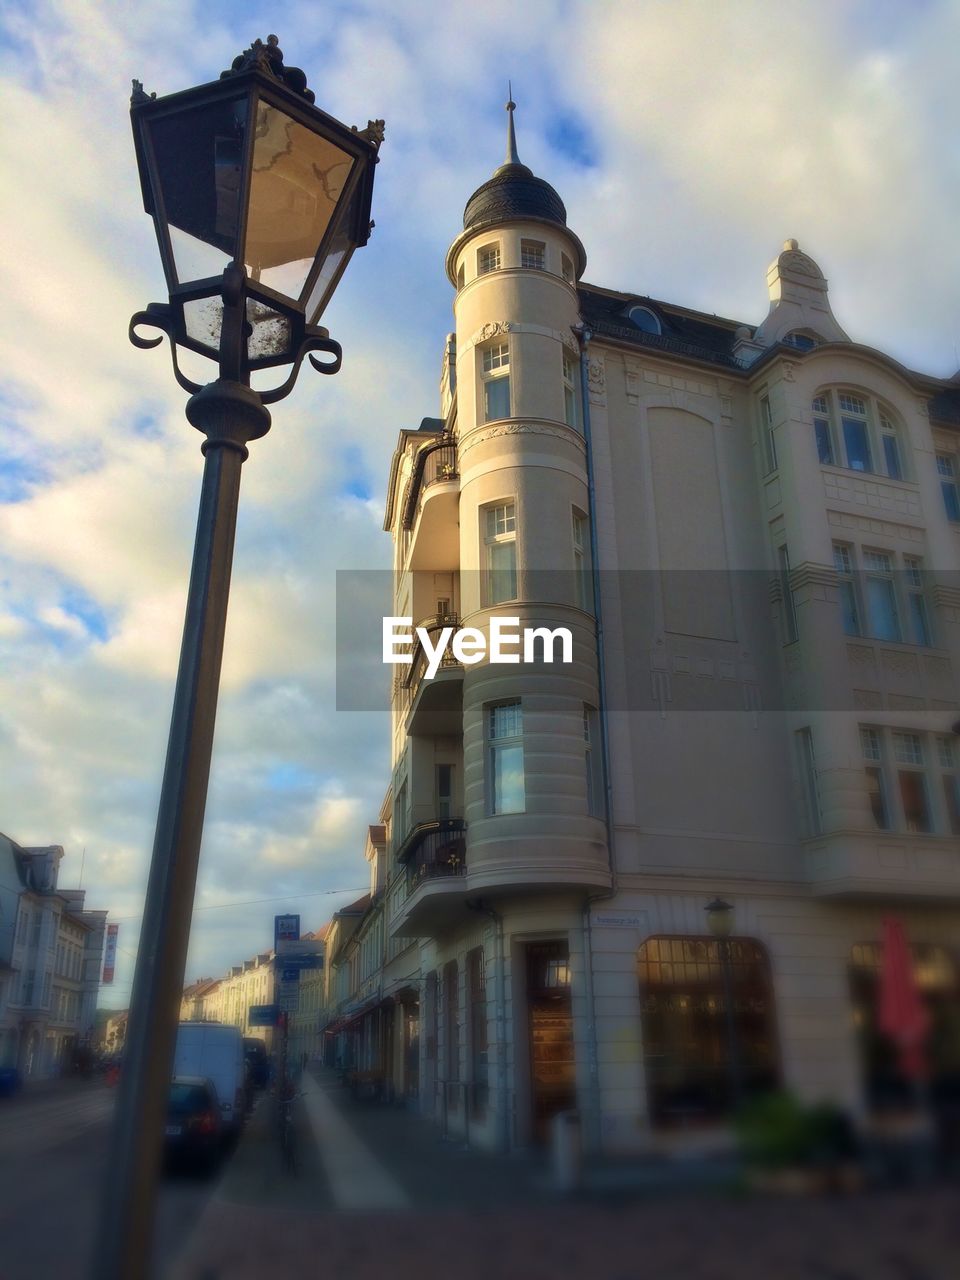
(290, 973)
(285, 929)
(286, 961)
(289, 1003)
(263, 1015)
(298, 947)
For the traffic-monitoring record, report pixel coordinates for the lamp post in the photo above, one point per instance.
(259, 199)
(720, 924)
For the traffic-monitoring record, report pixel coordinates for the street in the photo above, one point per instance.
(373, 1190)
(52, 1152)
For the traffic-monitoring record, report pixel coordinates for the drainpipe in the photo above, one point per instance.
(477, 904)
(595, 1134)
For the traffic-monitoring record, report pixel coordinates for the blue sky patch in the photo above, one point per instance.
(570, 136)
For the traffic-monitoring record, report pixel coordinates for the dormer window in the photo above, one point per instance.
(488, 259)
(532, 254)
(801, 340)
(644, 319)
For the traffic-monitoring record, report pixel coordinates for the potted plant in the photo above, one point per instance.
(788, 1146)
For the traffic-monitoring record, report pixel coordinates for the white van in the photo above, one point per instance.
(214, 1051)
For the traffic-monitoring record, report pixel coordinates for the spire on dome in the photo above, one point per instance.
(512, 157)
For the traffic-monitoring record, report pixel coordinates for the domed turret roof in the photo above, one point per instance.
(514, 191)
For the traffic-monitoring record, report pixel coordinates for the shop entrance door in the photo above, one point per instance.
(552, 1066)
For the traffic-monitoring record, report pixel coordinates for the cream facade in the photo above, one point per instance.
(752, 532)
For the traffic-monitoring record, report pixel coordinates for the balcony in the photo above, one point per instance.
(434, 707)
(434, 855)
(431, 508)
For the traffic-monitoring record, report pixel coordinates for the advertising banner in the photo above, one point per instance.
(110, 953)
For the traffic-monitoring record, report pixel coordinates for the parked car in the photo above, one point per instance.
(9, 1081)
(194, 1130)
(258, 1062)
(214, 1051)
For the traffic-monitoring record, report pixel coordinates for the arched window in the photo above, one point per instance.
(856, 431)
(936, 976)
(645, 319)
(699, 1052)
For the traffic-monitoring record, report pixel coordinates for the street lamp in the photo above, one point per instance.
(720, 924)
(259, 199)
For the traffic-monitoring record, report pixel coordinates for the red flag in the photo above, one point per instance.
(901, 1013)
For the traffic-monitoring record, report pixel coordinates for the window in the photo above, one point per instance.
(891, 448)
(849, 605)
(690, 1023)
(582, 578)
(912, 779)
(871, 742)
(500, 545)
(917, 618)
(856, 432)
(571, 401)
(789, 617)
(893, 605)
(23, 925)
(821, 427)
(532, 254)
(766, 426)
(505, 745)
(645, 320)
(488, 259)
(496, 381)
(935, 975)
(444, 791)
(476, 976)
(800, 340)
(566, 268)
(908, 750)
(591, 752)
(451, 1027)
(809, 779)
(947, 471)
(950, 779)
(881, 595)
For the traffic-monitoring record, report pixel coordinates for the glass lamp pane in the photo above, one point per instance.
(199, 160)
(203, 318)
(269, 331)
(298, 178)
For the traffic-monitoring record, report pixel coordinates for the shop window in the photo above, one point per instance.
(691, 1039)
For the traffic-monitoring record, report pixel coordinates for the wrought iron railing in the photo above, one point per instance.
(435, 464)
(408, 684)
(434, 849)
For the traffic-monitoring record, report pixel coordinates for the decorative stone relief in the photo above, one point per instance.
(726, 408)
(899, 664)
(492, 329)
(521, 429)
(788, 370)
(597, 382)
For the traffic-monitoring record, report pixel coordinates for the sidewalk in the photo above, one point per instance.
(380, 1195)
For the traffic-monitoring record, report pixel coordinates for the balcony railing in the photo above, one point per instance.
(434, 849)
(435, 464)
(408, 684)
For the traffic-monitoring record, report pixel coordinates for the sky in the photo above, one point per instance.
(687, 140)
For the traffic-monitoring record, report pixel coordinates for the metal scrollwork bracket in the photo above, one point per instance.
(159, 315)
(314, 340)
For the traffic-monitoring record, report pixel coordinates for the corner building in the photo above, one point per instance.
(751, 532)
